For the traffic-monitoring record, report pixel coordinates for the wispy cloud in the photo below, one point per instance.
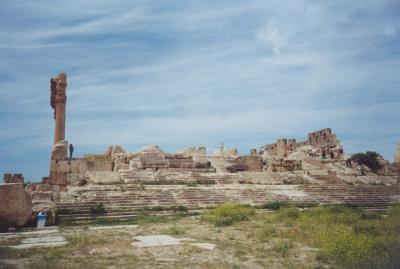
(180, 73)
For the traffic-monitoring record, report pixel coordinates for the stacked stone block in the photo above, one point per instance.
(16, 178)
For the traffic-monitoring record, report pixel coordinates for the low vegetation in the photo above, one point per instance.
(98, 209)
(97, 157)
(369, 158)
(228, 214)
(345, 236)
(290, 237)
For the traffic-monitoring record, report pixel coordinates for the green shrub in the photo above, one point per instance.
(369, 158)
(228, 214)
(193, 184)
(180, 208)
(275, 205)
(350, 238)
(177, 230)
(145, 218)
(283, 246)
(98, 209)
(267, 231)
(288, 214)
(156, 208)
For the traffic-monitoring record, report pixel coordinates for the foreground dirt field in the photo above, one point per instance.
(322, 237)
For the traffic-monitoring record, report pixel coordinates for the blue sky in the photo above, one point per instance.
(187, 73)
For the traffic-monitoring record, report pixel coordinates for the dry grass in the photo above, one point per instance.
(325, 237)
(97, 157)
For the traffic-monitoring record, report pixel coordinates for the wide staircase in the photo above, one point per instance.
(130, 200)
(167, 190)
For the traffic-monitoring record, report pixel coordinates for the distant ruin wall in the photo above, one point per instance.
(70, 171)
(323, 138)
(16, 178)
(250, 163)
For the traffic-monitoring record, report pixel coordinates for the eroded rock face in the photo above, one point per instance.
(15, 205)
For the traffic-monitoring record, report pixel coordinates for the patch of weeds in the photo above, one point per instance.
(85, 239)
(275, 205)
(180, 208)
(369, 215)
(176, 230)
(156, 208)
(266, 232)
(141, 186)
(193, 184)
(288, 214)
(283, 246)
(228, 214)
(6, 252)
(114, 222)
(144, 218)
(98, 209)
(48, 258)
(350, 238)
(97, 157)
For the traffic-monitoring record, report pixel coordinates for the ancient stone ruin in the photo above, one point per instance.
(15, 202)
(16, 178)
(312, 171)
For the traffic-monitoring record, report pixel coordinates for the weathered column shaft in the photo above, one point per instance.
(59, 133)
(58, 102)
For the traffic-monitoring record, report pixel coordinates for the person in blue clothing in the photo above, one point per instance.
(41, 219)
(71, 151)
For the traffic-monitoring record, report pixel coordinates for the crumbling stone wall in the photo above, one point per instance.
(154, 158)
(281, 147)
(198, 154)
(322, 138)
(250, 163)
(271, 149)
(283, 165)
(16, 178)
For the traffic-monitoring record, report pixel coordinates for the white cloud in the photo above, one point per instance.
(178, 74)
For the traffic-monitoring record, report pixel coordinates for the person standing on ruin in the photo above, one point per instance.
(323, 153)
(71, 151)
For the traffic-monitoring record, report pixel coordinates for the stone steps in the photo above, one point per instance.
(125, 204)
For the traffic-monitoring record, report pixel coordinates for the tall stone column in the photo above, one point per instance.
(58, 102)
(58, 99)
(397, 157)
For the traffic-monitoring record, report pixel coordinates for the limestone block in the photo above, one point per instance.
(99, 166)
(59, 151)
(58, 178)
(103, 178)
(114, 150)
(250, 163)
(121, 166)
(15, 205)
(74, 178)
(75, 166)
